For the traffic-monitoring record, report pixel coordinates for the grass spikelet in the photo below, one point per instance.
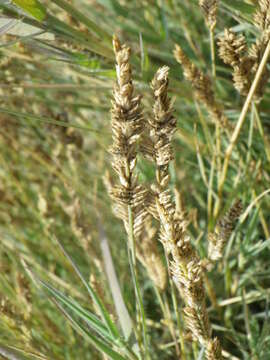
(209, 8)
(202, 87)
(232, 47)
(213, 350)
(262, 16)
(127, 126)
(233, 51)
(185, 266)
(224, 228)
(245, 62)
(127, 121)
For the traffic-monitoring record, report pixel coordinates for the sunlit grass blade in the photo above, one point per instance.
(122, 311)
(14, 353)
(104, 313)
(93, 340)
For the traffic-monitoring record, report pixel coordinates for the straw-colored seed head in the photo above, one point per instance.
(218, 239)
(184, 265)
(209, 8)
(233, 51)
(232, 48)
(213, 350)
(262, 16)
(203, 89)
(127, 120)
(198, 323)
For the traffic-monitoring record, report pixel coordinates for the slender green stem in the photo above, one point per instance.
(261, 131)
(213, 54)
(164, 305)
(133, 268)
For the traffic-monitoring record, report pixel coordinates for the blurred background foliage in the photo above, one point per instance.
(57, 75)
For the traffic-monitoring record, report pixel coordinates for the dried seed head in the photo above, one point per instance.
(233, 51)
(198, 323)
(185, 266)
(220, 236)
(232, 48)
(262, 16)
(202, 87)
(213, 350)
(127, 119)
(209, 8)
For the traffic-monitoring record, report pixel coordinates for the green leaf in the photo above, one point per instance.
(91, 319)
(104, 313)
(93, 340)
(32, 7)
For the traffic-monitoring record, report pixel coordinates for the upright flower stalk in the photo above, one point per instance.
(129, 197)
(185, 265)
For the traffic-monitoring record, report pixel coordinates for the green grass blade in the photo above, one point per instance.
(46, 120)
(14, 353)
(104, 313)
(93, 340)
(86, 315)
(32, 7)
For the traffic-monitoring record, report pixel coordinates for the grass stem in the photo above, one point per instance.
(132, 251)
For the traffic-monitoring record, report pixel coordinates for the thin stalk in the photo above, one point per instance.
(132, 251)
(261, 131)
(239, 125)
(210, 193)
(250, 136)
(164, 305)
(213, 54)
(205, 127)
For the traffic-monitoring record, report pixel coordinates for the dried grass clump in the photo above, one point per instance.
(233, 51)
(203, 88)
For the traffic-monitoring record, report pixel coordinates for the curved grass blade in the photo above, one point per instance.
(46, 120)
(92, 320)
(104, 313)
(14, 353)
(93, 340)
(32, 7)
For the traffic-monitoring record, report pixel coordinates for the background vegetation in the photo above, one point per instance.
(57, 74)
